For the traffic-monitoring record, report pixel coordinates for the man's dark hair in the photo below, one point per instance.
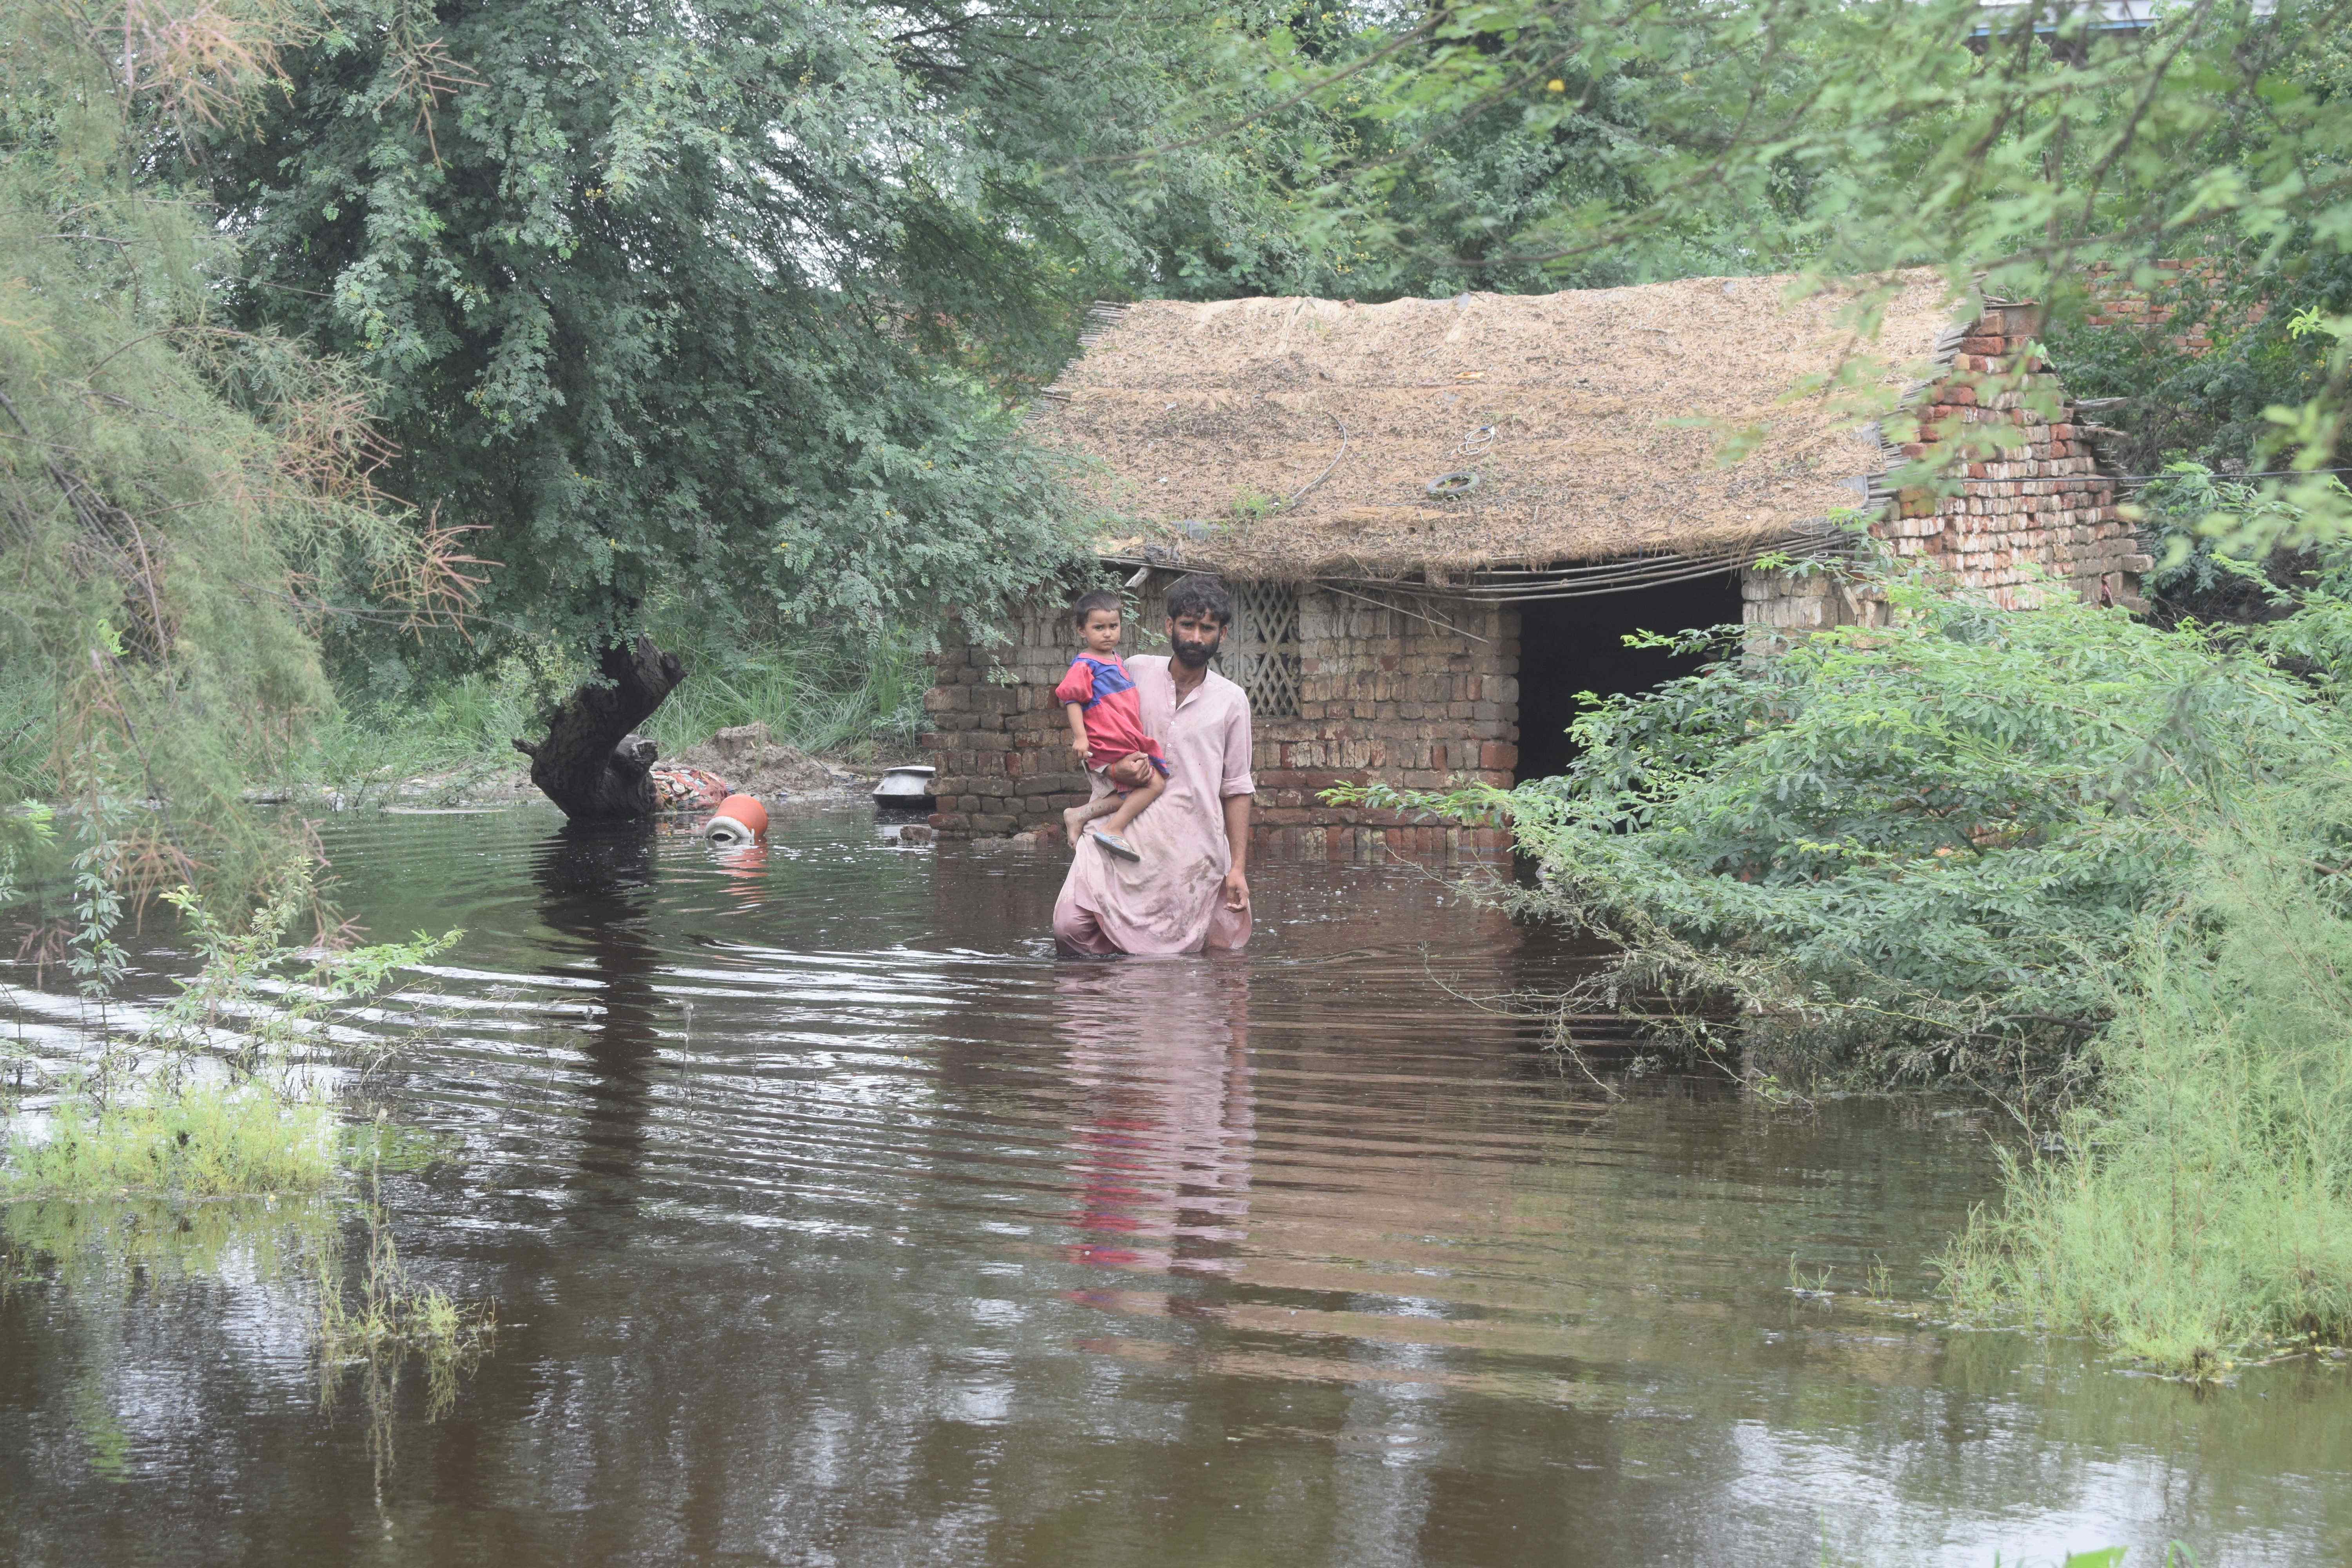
(1101, 599)
(1199, 595)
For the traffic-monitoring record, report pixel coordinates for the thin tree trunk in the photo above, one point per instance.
(593, 764)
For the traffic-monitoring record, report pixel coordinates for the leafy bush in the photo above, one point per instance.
(2227, 551)
(2094, 865)
(1903, 854)
(2202, 1211)
(2208, 407)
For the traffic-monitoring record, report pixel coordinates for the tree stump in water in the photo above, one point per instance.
(592, 765)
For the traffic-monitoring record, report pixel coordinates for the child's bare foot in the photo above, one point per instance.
(1073, 822)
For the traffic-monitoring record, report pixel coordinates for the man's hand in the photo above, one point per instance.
(1237, 816)
(1133, 770)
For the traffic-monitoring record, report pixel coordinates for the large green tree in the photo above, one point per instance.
(183, 502)
(726, 307)
(733, 305)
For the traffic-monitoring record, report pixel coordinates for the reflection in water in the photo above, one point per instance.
(919, 1246)
(595, 888)
(1159, 1064)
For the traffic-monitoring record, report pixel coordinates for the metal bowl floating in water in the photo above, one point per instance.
(908, 787)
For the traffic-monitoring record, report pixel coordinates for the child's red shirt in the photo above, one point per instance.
(1114, 711)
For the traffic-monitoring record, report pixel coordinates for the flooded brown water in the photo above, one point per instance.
(829, 1219)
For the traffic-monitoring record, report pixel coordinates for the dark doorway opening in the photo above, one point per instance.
(1567, 646)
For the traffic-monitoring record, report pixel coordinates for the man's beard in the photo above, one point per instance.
(1194, 654)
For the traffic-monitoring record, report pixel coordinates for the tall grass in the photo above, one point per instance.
(462, 727)
(817, 693)
(820, 693)
(823, 694)
(2200, 1212)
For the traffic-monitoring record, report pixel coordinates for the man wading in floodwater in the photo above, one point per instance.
(1188, 890)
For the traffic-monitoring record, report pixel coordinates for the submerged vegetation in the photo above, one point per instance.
(223, 1090)
(389, 1317)
(181, 1132)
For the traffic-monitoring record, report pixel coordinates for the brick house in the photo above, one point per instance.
(1439, 517)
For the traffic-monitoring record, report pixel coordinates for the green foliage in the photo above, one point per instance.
(2174, 509)
(179, 499)
(2175, 1556)
(214, 1094)
(1911, 853)
(1858, 137)
(388, 1318)
(2201, 1214)
(2226, 550)
(259, 1002)
(1250, 506)
(191, 1140)
(822, 694)
(460, 729)
(721, 306)
(162, 1237)
(2205, 407)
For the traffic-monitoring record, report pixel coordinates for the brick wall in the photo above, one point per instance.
(2118, 301)
(1416, 693)
(2031, 517)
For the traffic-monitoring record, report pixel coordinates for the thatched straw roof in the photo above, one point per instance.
(1594, 421)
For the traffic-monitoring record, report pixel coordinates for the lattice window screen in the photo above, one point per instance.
(1142, 629)
(1260, 651)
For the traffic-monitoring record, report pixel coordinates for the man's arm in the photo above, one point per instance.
(1235, 788)
(1237, 809)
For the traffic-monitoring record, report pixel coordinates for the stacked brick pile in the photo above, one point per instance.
(1384, 696)
(2037, 504)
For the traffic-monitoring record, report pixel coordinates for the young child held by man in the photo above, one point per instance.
(1107, 728)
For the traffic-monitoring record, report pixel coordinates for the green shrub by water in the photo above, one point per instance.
(2201, 1210)
(820, 694)
(1908, 855)
(192, 1141)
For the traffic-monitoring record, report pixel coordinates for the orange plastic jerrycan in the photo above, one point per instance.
(740, 819)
